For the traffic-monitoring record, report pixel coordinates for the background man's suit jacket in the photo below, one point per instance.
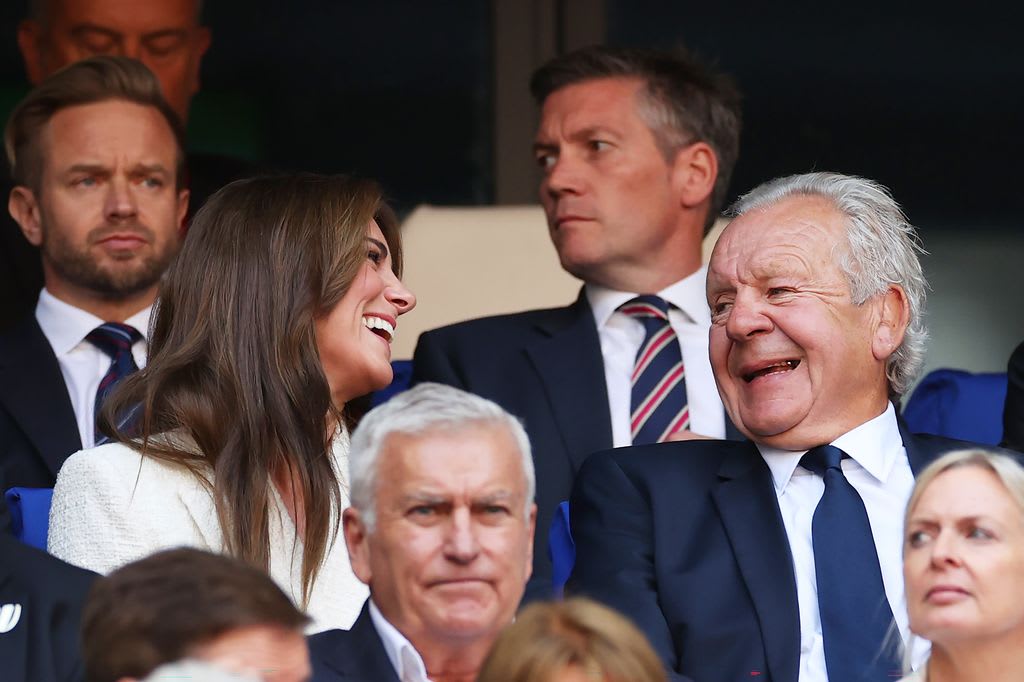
(355, 655)
(687, 540)
(1013, 412)
(43, 644)
(38, 430)
(545, 367)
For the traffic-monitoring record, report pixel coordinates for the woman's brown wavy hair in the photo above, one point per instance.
(233, 361)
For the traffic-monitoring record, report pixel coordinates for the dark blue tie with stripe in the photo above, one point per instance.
(116, 340)
(658, 405)
(855, 614)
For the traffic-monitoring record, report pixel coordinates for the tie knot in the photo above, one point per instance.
(113, 337)
(646, 306)
(821, 458)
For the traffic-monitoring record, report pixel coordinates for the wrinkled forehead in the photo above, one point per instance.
(478, 453)
(122, 16)
(802, 232)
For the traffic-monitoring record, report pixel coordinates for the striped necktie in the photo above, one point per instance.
(116, 340)
(658, 405)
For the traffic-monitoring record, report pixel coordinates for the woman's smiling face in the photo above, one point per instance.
(354, 338)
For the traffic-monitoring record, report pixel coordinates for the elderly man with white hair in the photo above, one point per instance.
(780, 558)
(441, 530)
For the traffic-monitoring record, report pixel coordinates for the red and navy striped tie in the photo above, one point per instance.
(658, 405)
(114, 339)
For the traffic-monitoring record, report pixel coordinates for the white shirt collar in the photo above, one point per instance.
(65, 326)
(406, 661)
(865, 444)
(688, 295)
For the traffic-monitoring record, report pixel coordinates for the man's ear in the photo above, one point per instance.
(183, 197)
(694, 172)
(29, 37)
(529, 544)
(24, 208)
(357, 541)
(893, 319)
(202, 44)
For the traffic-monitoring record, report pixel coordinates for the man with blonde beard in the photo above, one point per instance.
(97, 157)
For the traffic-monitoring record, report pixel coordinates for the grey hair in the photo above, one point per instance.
(426, 408)
(883, 249)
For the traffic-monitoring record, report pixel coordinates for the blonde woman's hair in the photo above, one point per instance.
(548, 638)
(1009, 472)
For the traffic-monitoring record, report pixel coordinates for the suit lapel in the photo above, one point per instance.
(749, 510)
(570, 368)
(358, 654)
(33, 391)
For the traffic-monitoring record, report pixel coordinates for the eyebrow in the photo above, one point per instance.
(79, 30)
(380, 245)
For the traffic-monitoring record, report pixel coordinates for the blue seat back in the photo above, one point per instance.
(959, 404)
(30, 514)
(402, 377)
(561, 549)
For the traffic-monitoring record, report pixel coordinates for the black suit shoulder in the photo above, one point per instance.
(1013, 411)
(44, 596)
(38, 429)
(355, 655)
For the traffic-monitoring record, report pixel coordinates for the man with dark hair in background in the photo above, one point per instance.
(166, 36)
(96, 155)
(186, 603)
(636, 148)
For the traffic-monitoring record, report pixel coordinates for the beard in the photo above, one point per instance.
(121, 273)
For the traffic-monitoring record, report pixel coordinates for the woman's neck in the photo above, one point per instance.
(991, 660)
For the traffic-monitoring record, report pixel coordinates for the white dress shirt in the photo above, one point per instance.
(83, 364)
(621, 337)
(879, 471)
(406, 661)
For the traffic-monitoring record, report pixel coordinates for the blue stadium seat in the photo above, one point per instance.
(403, 375)
(959, 404)
(561, 549)
(30, 514)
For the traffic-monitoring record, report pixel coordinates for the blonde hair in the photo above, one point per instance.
(547, 638)
(1009, 472)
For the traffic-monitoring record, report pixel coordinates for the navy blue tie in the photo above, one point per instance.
(116, 340)
(855, 614)
(658, 406)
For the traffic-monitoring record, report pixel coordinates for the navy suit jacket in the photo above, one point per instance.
(47, 594)
(355, 655)
(545, 367)
(38, 429)
(1013, 412)
(687, 540)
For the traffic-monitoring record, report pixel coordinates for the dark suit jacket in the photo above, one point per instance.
(1013, 412)
(38, 429)
(687, 539)
(545, 367)
(43, 644)
(355, 655)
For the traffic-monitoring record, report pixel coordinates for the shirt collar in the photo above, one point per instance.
(688, 295)
(400, 651)
(65, 326)
(870, 445)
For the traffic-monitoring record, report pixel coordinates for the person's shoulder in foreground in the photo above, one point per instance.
(41, 602)
(1013, 412)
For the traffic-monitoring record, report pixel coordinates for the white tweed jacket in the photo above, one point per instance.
(112, 506)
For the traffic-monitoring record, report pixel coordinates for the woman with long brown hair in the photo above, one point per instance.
(277, 314)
